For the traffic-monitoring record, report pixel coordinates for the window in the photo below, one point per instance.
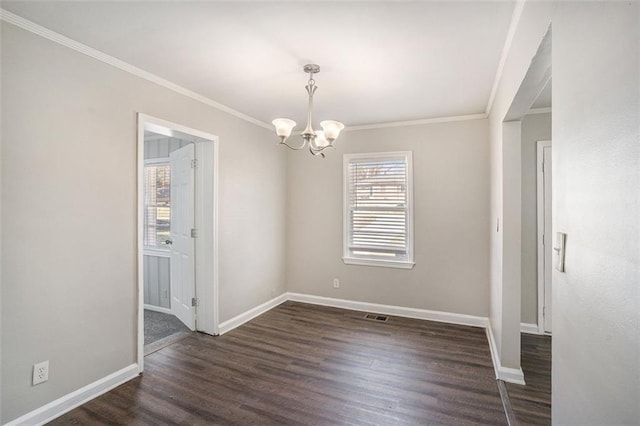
(157, 205)
(378, 211)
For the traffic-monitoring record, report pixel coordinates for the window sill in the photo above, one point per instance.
(378, 263)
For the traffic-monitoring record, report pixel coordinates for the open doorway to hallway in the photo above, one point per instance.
(526, 133)
(177, 233)
(536, 223)
(531, 403)
(169, 250)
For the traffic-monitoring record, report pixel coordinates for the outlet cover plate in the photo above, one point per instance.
(40, 372)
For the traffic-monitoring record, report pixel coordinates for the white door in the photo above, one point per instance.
(548, 233)
(182, 247)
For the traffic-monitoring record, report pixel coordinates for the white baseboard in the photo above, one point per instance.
(511, 375)
(529, 328)
(158, 309)
(56, 408)
(238, 320)
(68, 402)
(399, 311)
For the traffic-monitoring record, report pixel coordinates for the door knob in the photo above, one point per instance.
(167, 242)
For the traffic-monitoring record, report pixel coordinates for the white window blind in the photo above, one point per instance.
(157, 205)
(378, 210)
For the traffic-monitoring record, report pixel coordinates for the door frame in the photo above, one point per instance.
(541, 145)
(206, 244)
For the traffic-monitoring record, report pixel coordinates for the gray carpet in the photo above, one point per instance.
(158, 326)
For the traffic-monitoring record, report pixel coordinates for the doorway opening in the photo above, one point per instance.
(527, 121)
(177, 233)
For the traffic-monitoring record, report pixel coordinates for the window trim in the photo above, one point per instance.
(346, 254)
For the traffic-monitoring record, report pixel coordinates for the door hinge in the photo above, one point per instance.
(194, 163)
(543, 167)
(194, 302)
(194, 233)
(544, 311)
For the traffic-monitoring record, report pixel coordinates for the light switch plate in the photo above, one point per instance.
(559, 248)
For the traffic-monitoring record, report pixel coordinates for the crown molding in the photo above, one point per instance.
(417, 122)
(515, 19)
(48, 34)
(27, 25)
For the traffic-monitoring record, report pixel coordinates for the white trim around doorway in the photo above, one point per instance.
(540, 235)
(207, 241)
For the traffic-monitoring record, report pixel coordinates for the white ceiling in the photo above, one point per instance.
(381, 62)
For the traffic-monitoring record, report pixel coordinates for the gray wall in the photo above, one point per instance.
(535, 127)
(596, 201)
(157, 284)
(68, 165)
(451, 206)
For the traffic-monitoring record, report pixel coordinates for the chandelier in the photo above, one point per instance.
(319, 140)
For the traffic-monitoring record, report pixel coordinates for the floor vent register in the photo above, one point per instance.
(376, 317)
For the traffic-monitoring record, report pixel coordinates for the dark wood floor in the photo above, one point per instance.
(310, 365)
(532, 403)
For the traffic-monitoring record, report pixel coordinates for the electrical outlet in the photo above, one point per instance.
(336, 283)
(40, 372)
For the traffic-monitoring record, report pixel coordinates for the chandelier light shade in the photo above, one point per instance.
(321, 140)
(331, 129)
(316, 140)
(284, 126)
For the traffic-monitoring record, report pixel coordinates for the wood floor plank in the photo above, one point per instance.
(532, 403)
(302, 364)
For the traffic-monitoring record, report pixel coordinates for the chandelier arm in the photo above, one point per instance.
(318, 151)
(293, 147)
